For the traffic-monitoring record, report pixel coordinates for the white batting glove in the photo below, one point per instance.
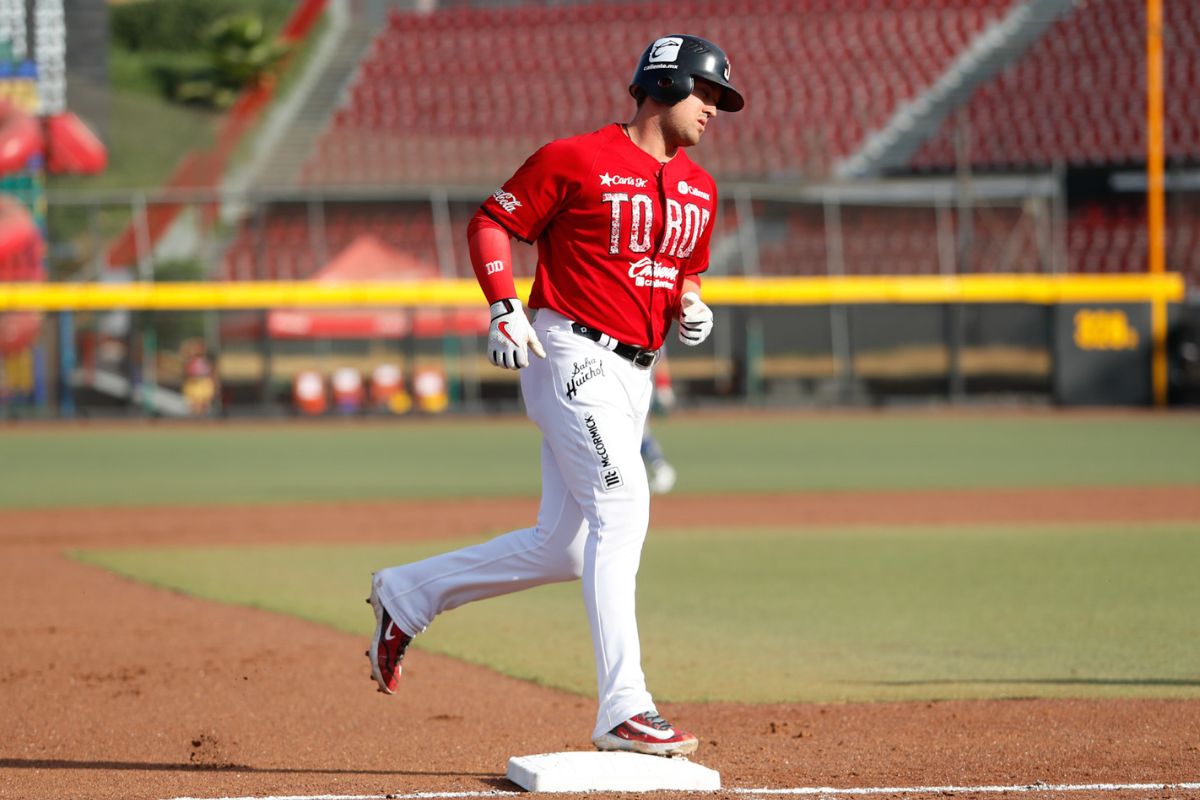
(511, 337)
(695, 319)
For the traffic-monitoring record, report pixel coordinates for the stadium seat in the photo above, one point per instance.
(462, 95)
(437, 87)
(1069, 98)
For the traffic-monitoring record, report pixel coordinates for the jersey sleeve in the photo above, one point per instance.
(537, 190)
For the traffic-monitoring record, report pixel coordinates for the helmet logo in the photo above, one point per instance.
(726, 69)
(665, 49)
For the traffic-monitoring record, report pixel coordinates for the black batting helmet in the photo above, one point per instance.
(669, 67)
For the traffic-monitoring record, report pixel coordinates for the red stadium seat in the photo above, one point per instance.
(1069, 99)
(824, 71)
(462, 95)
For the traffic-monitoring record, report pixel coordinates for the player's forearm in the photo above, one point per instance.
(691, 284)
(491, 257)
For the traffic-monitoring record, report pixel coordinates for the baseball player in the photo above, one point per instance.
(660, 473)
(622, 219)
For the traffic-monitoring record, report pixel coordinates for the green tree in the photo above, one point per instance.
(236, 53)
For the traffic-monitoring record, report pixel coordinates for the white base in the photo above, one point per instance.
(615, 772)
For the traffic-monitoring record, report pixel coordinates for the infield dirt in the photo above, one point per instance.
(112, 689)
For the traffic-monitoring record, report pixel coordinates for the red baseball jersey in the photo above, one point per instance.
(616, 231)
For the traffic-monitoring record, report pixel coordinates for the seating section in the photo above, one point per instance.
(900, 240)
(463, 95)
(1078, 96)
(286, 244)
(1103, 236)
(1112, 237)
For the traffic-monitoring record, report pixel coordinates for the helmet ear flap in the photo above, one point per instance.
(670, 89)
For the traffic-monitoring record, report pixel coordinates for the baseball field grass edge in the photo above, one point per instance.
(778, 615)
(297, 463)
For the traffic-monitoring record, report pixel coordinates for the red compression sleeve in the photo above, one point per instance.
(491, 257)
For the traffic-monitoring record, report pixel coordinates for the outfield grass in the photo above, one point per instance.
(283, 463)
(788, 615)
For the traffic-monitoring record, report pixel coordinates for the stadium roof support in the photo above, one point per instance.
(893, 145)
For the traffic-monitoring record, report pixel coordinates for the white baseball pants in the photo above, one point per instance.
(591, 406)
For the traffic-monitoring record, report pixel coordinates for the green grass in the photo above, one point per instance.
(149, 134)
(797, 615)
(147, 138)
(281, 463)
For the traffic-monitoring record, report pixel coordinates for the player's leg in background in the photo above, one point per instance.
(659, 471)
(549, 552)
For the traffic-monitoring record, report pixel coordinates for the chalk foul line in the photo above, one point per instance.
(1028, 788)
(817, 791)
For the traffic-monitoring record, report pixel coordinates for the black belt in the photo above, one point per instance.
(640, 357)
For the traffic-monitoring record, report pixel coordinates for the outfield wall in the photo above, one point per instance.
(1071, 340)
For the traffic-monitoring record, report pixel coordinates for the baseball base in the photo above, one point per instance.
(614, 772)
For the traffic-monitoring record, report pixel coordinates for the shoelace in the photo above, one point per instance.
(655, 721)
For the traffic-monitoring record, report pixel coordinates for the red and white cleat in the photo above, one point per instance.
(387, 647)
(650, 734)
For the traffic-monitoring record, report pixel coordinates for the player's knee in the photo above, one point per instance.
(570, 560)
(563, 567)
(572, 566)
(561, 549)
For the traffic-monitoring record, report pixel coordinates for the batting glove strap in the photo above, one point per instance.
(695, 320)
(511, 337)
